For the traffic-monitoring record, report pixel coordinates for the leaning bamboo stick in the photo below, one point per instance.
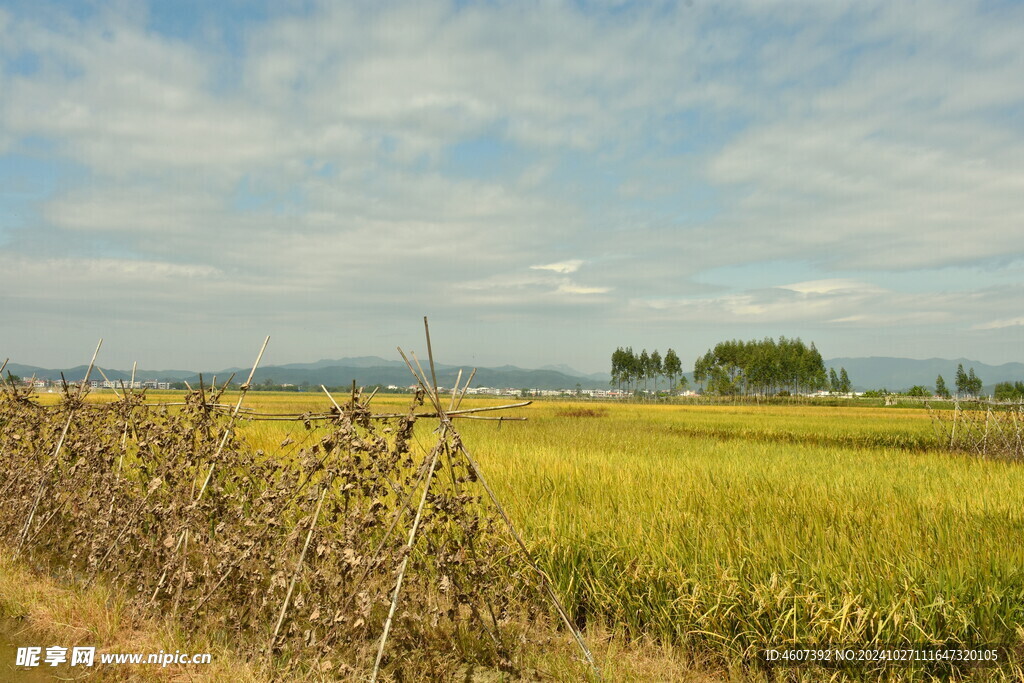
(107, 380)
(153, 486)
(209, 475)
(251, 414)
(127, 420)
(405, 562)
(56, 453)
(294, 494)
(465, 388)
(455, 391)
(430, 353)
(545, 581)
(441, 443)
(366, 403)
(88, 373)
(298, 566)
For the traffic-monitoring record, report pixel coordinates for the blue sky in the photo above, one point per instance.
(546, 181)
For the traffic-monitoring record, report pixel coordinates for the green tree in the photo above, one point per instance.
(962, 384)
(643, 365)
(844, 382)
(630, 363)
(618, 367)
(673, 367)
(655, 368)
(762, 367)
(974, 383)
(1007, 391)
(833, 381)
(940, 387)
(918, 390)
(702, 369)
(625, 367)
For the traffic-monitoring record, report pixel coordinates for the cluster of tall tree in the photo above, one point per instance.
(766, 367)
(629, 369)
(1009, 391)
(967, 383)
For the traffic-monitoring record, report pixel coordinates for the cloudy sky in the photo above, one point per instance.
(546, 181)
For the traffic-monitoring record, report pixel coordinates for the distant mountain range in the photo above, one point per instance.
(896, 374)
(865, 373)
(365, 370)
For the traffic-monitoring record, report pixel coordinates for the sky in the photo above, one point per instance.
(545, 180)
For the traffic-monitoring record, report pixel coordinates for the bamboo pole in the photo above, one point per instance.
(227, 432)
(127, 420)
(441, 442)
(408, 547)
(56, 452)
(153, 486)
(545, 581)
(107, 380)
(262, 533)
(298, 566)
(430, 353)
(956, 416)
(250, 414)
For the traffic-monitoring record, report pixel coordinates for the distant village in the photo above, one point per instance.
(50, 385)
(99, 384)
(553, 393)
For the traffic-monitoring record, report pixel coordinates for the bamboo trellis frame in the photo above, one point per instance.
(990, 429)
(449, 445)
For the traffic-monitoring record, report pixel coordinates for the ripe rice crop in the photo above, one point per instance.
(721, 530)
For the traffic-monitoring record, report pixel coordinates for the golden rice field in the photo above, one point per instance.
(725, 529)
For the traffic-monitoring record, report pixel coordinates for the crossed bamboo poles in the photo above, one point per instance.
(446, 427)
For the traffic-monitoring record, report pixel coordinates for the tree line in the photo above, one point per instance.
(1009, 391)
(767, 367)
(629, 369)
(967, 384)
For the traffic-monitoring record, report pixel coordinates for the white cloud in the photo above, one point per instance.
(830, 286)
(852, 137)
(571, 288)
(564, 267)
(908, 158)
(838, 304)
(528, 289)
(999, 324)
